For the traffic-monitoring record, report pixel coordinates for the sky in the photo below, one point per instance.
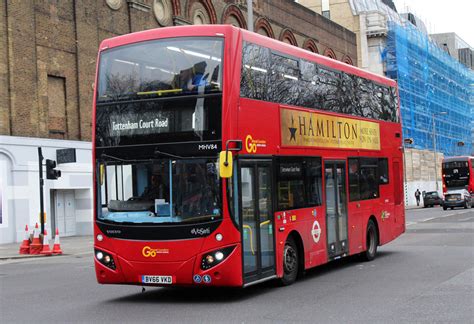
(442, 16)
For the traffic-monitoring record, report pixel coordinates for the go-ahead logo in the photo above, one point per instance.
(252, 144)
(148, 252)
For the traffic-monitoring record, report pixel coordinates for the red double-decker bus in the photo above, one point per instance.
(458, 173)
(226, 158)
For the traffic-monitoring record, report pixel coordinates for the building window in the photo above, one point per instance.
(325, 9)
(57, 114)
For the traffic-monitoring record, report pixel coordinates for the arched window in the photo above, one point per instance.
(288, 37)
(263, 27)
(310, 45)
(233, 16)
(346, 59)
(201, 12)
(330, 53)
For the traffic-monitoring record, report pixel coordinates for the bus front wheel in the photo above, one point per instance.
(290, 262)
(372, 241)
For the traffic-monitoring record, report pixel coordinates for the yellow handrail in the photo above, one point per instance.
(251, 234)
(158, 92)
(251, 242)
(264, 223)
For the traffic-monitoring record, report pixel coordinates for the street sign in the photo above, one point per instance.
(66, 155)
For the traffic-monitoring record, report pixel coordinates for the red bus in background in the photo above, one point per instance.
(226, 158)
(458, 173)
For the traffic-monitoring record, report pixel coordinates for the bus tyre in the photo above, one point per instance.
(290, 262)
(444, 207)
(371, 243)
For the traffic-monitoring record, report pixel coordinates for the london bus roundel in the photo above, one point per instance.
(316, 232)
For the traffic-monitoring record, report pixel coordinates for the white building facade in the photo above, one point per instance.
(67, 200)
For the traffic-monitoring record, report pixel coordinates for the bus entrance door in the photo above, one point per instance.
(257, 220)
(336, 208)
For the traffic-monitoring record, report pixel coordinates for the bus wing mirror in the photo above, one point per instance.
(225, 158)
(225, 164)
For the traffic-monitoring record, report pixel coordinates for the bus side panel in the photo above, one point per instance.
(310, 225)
(386, 213)
(315, 244)
(355, 228)
(372, 208)
(398, 195)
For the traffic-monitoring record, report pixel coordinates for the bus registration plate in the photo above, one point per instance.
(162, 280)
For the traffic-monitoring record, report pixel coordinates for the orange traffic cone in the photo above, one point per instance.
(57, 246)
(25, 245)
(46, 250)
(35, 246)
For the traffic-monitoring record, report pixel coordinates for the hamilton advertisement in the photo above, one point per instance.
(299, 128)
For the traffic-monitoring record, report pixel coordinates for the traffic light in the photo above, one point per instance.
(52, 173)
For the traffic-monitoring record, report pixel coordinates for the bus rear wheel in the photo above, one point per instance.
(372, 242)
(290, 262)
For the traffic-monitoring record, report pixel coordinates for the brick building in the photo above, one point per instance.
(48, 52)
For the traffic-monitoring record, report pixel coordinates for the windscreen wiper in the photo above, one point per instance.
(124, 160)
(201, 218)
(169, 154)
(179, 157)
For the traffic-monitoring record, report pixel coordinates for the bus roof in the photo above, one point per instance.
(458, 158)
(222, 30)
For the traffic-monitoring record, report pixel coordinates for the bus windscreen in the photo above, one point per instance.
(158, 68)
(162, 191)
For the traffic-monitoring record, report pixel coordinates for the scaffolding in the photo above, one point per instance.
(434, 90)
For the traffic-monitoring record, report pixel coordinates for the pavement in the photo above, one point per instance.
(72, 245)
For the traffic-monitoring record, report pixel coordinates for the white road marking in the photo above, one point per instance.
(428, 219)
(443, 216)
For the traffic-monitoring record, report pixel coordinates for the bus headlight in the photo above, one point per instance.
(219, 256)
(105, 259)
(209, 259)
(215, 257)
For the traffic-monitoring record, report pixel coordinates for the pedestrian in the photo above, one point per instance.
(417, 196)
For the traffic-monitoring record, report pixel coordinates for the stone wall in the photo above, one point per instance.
(420, 173)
